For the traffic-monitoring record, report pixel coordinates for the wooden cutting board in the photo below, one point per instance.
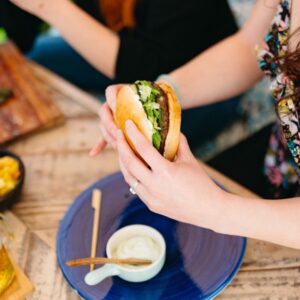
(31, 107)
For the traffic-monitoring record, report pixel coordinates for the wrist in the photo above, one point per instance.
(217, 216)
(171, 82)
(50, 10)
(210, 214)
(242, 216)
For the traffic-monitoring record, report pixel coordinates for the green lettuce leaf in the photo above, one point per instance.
(156, 139)
(148, 97)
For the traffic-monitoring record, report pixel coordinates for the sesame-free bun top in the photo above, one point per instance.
(129, 107)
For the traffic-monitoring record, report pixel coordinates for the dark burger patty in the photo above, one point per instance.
(162, 100)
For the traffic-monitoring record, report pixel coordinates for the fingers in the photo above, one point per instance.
(127, 176)
(108, 127)
(134, 170)
(107, 137)
(184, 152)
(106, 117)
(145, 149)
(98, 147)
(133, 165)
(111, 95)
(101, 144)
(108, 130)
(134, 183)
(139, 187)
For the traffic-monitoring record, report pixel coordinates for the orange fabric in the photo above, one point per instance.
(118, 14)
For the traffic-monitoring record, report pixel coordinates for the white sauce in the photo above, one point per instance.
(139, 247)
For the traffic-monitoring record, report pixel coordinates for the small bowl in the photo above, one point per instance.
(139, 274)
(13, 196)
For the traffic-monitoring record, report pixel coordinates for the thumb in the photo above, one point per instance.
(184, 152)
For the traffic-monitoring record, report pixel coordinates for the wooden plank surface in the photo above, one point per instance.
(38, 261)
(30, 107)
(59, 168)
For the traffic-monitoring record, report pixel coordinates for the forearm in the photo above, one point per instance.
(95, 42)
(223, 71)
(276, 221)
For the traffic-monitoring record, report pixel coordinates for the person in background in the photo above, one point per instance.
(106, 41)
(269, 160)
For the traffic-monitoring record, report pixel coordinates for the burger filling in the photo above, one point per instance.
(155, 104)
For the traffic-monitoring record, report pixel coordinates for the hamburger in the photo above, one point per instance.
(155, 110)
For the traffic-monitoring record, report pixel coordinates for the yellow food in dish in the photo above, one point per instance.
(9, 174)
(7, 272)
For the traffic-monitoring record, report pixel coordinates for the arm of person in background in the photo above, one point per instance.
(163, 40)
(230, 67)
(95, 42)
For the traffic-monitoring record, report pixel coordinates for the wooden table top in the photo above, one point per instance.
(59, 168)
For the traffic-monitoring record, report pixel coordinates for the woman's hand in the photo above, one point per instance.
(180, 190)
(107, 125)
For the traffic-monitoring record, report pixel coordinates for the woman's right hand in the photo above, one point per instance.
(108, 127)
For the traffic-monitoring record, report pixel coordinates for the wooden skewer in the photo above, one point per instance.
(105, 260)
(96, 204)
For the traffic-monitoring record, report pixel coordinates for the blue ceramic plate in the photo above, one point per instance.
(200, 263)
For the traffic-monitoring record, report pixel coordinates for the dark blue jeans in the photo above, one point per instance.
(199, 124)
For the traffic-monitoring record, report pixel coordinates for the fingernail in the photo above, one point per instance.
(92, 152)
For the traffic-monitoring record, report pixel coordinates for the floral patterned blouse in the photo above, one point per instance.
(282, 160)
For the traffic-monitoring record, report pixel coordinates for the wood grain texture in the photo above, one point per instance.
(31, 107)
(59, 168)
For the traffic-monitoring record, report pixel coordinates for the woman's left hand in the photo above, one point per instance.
(180, 190)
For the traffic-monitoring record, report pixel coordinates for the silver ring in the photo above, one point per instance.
(133, 187)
